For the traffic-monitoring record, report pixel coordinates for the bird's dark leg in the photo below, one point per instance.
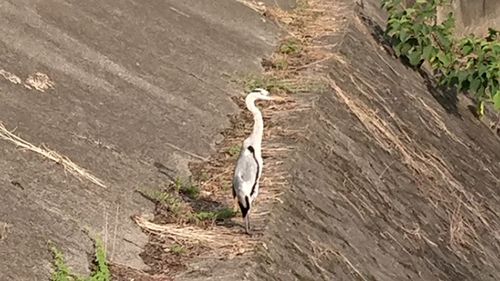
(247, 224)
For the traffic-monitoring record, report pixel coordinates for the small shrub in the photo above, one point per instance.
(415, 34)
(478, 71)
(470, 64)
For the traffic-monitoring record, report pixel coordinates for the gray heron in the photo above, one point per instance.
(248, 168)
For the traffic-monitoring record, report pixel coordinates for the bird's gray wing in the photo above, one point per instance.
(246, 172)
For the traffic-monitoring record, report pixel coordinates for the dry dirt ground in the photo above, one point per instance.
(371, 173)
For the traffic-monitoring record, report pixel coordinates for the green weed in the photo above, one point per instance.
(218, 215)
(168, 199)
(63, 273)
(281, 64)
(61, 270)
(177, 249)
(101, 272)
(225, 213)
(290, 47)
(234, 150)
(191, 191)
(187, 188)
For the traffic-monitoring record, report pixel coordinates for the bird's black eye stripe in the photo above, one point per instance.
(251, 149)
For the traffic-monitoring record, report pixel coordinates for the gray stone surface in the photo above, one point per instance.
(135, 82)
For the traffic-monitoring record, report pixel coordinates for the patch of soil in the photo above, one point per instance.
(160, 256)
(163, 254)
(125, 273)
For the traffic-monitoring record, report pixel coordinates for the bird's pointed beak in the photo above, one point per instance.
(276, 98)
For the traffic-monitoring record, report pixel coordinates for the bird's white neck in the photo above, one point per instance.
(258, 125)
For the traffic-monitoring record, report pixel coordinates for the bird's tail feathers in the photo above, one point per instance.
(244, 208)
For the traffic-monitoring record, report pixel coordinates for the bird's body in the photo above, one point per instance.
(249, 166)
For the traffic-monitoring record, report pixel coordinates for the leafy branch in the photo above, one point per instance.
(469, 64)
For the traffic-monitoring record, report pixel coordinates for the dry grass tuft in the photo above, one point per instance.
(4, 230)
(10, 77)
(219, 239)
(257, 6)
(67, 164)
(39, 81)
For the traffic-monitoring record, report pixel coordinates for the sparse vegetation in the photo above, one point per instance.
(183, 211)
(63, 273)
(218, 215)
(187, 187)
(281, 64)
(290, 46)
(234, 150)
(225, 213)
(203, 176)
(177, 249)
(165, 198)
(469, 64)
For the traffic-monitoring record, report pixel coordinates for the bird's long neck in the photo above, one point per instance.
(258, 125)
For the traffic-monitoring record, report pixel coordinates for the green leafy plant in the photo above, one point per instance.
(415, 34)
(101, 273)
(478, 71)
(63, 273)
(61, 270)
(469, 65)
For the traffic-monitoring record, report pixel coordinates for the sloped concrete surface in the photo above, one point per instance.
(134, 83)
